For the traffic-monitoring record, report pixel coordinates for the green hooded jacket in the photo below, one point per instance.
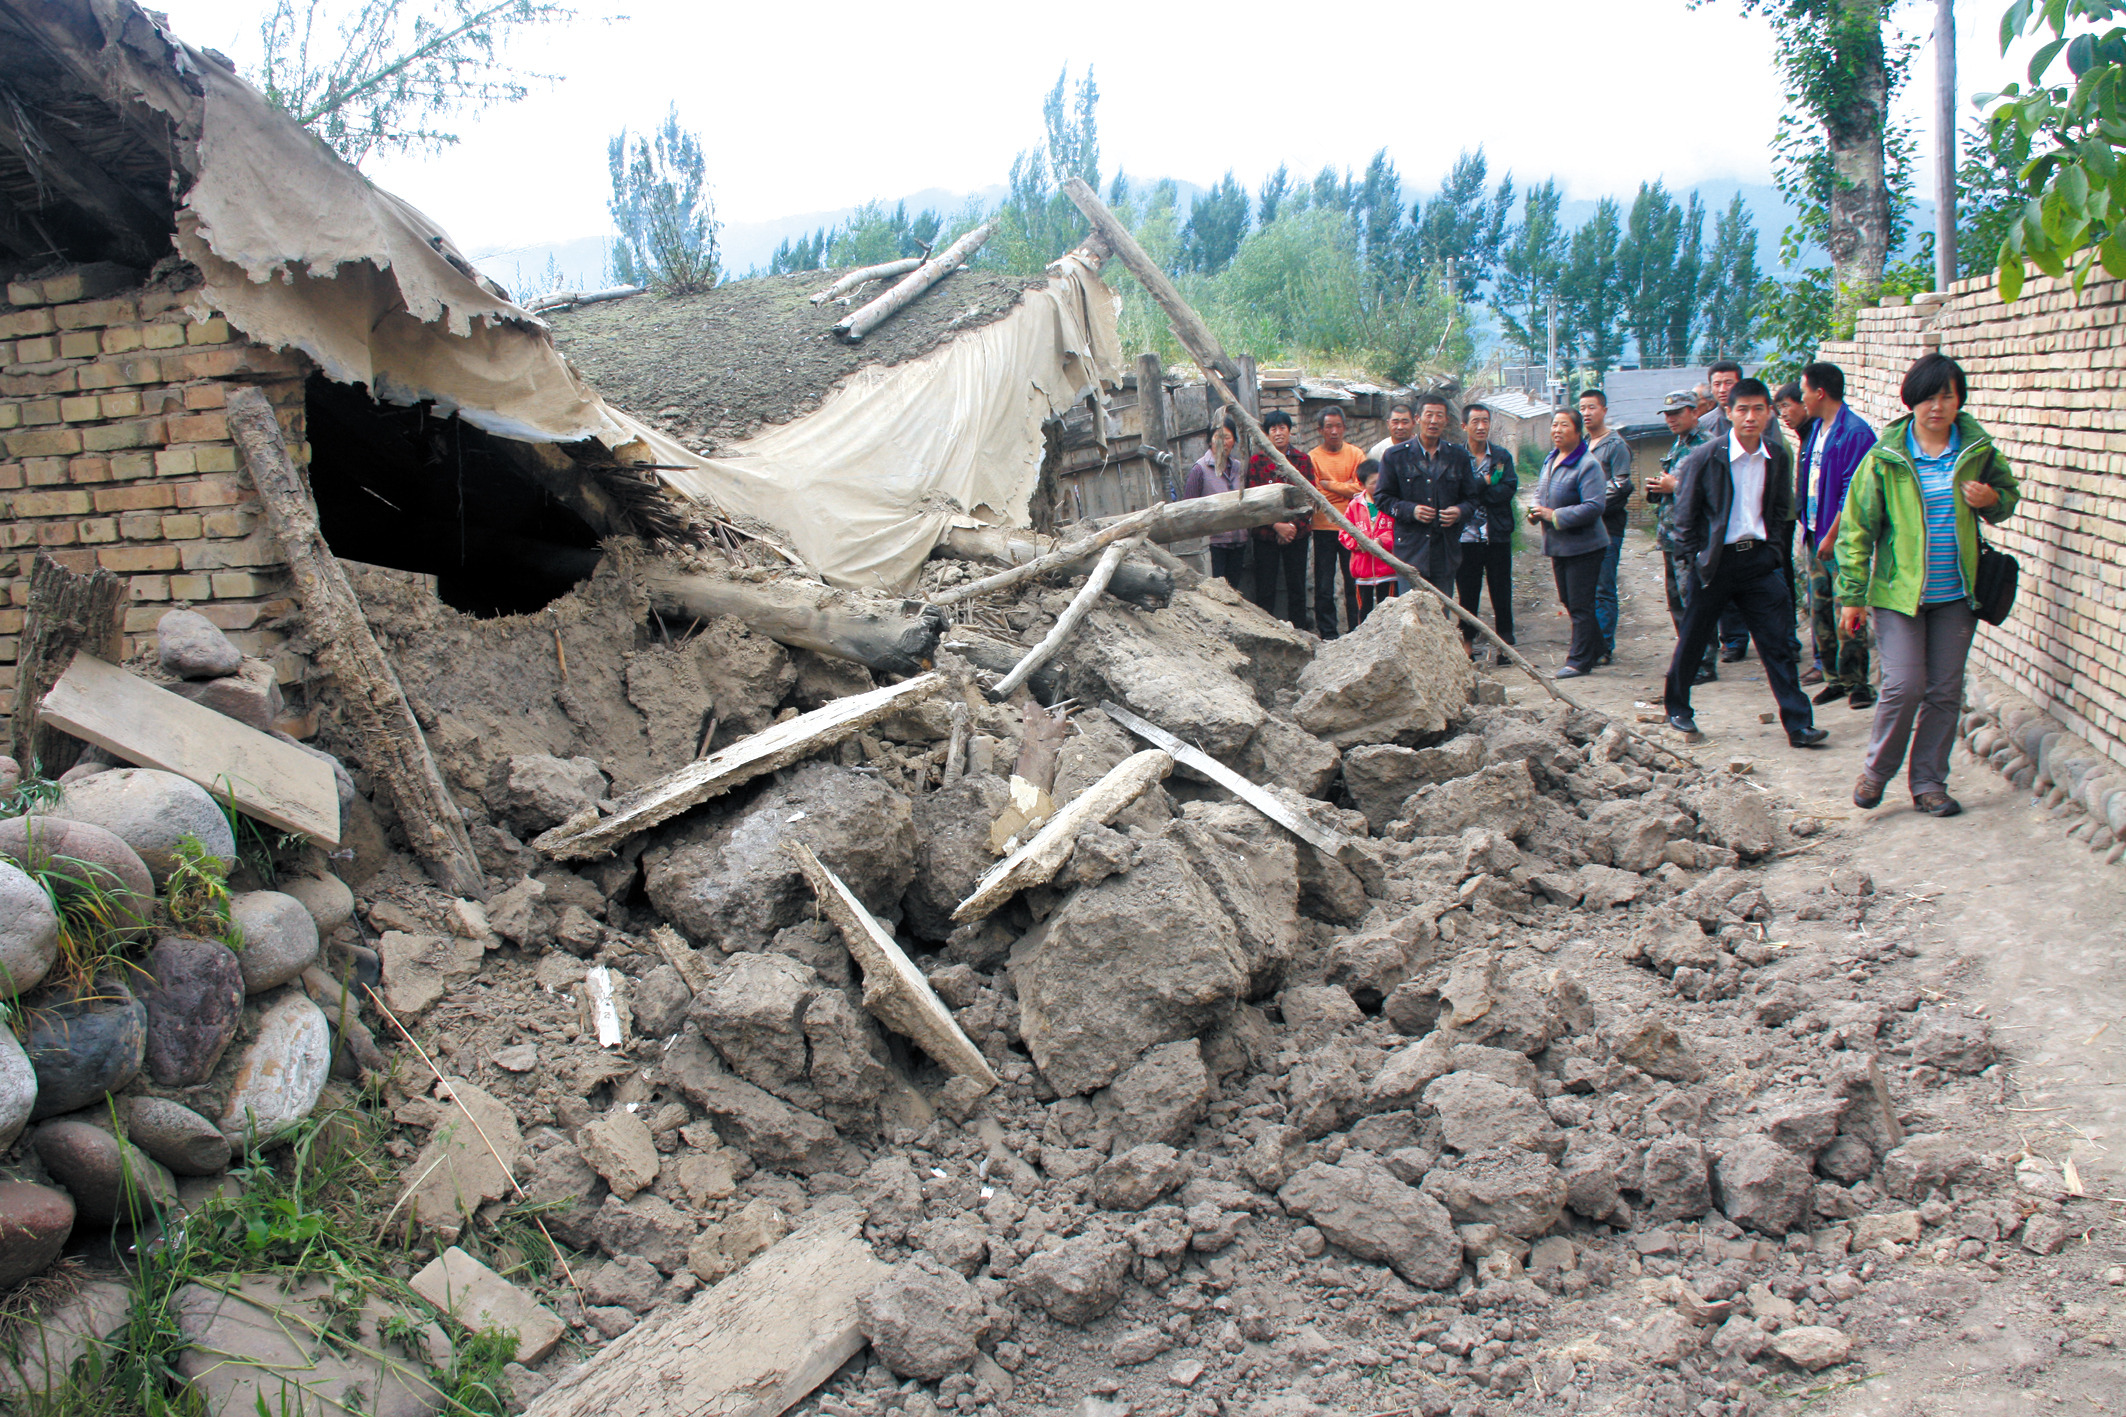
(1882, 532)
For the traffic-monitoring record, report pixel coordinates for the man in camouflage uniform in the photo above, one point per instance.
(1681, 410)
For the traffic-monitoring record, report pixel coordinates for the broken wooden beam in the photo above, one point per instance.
(1138, 582)
(858, 323)
(1221, 511)
(751, 1346)
(1080, 606)
(776, 746)
(1036, 863)
(894, 637)
(67, 612)
(139, 722)
(392, 745)
(895, 991)
(884, 270)
(1319, 837)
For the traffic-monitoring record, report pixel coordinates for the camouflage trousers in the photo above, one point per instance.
(1844, 658)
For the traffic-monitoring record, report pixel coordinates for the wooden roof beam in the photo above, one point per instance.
(58, 165)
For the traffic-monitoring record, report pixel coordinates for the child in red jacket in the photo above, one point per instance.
(1374, 577)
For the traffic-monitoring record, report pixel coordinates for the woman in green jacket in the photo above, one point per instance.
(1908, 549)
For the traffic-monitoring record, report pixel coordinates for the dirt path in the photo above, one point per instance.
(2021, 922)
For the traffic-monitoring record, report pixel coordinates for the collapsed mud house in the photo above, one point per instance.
(764, 1006)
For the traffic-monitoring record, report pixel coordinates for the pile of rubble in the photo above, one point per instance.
(1377, 1045)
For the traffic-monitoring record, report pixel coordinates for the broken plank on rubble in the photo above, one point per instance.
(752, 1346)
(1036, 863)
(895, 991)
(122, 713)
(771, 748)
(1319, 837)
(893, 636)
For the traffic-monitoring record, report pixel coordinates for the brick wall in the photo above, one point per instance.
(114, 451)
(2048, 379)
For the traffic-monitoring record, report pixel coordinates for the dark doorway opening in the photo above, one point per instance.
(406, 488)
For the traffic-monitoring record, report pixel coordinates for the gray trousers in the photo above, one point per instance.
(1922, 658)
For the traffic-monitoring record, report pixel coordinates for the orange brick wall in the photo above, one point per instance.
(114, 451)
(2048, 379)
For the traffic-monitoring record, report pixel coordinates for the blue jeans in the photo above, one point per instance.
(1606, 594)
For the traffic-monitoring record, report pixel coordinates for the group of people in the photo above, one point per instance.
(1889, 533)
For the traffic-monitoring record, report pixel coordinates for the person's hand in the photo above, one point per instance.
(1852, 619)
(1981, 495)
(1424, 513)
(1450, 515)
(1544, 514)
(1285, 533)
(1823, 548)
(1666, 482)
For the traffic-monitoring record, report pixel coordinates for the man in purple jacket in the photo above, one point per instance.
(1832, 448)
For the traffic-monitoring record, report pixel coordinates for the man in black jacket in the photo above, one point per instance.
(1430, 492)
(1487, 541)
(1734, 509)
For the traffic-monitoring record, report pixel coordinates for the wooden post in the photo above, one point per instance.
(67, 612)
(1210, 355)
(1157, 442)
(1249, 386)
(392, 744)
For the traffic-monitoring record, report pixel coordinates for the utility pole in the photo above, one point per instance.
(1550, 360)
(1945, 144)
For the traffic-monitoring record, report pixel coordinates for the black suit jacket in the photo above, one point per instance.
(1705, 493)
(1410, 480)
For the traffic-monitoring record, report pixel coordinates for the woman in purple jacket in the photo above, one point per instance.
(1221, 469)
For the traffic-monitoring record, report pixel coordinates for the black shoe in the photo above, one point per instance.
(1937, 804)
(1863, 698)
(1684, 724)
(1807, 737)
(1731, 654)
(1829, 694)
(1867, 793)
(1705, 675)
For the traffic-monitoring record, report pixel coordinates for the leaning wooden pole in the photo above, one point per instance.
(392, 744)
(1204, 348)
(1080, 606)
(67, 612)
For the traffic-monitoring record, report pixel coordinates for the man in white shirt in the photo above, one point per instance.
(1734, 510)
(1402, 426)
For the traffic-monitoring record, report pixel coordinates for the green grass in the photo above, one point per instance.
(197, 894)
(306, 1212)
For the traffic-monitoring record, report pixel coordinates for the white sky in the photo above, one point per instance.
(828, 104)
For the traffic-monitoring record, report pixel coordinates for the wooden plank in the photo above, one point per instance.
(1318, 837)
(764, 752)
(752, 1346)
(1037, 862)
(895, 991)
(66, 612)
(392, 746)
(144, 723)
(1066, 624)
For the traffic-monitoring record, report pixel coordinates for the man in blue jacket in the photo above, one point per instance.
(1836, 441)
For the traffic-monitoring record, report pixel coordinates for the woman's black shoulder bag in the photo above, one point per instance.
(1998, 573)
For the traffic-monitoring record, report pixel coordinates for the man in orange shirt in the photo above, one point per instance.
(1336, 473)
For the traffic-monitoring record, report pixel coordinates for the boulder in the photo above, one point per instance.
(84, 1044)
(150, 811)
(176, 1136)
(923, 1320)
(1500, 797)
(468, 1161)
(1667, 1338)
(1133, 1179)
(18, 1088)
(1763, 1186)
(29, 932)
(1402, 1080)
(111, 1181)
(1251, 866)
(1953, 1042)
(1381, 776)
(1675, 1184)
(263, 1345)
(1521, 1192)
(767, 1129)
(753, 1010)
(1655, 1049)
(1592, 1162)
(1733, 815)
(327, 898)
(76, 859)
(193, 991)
(1360, 1205)
(191, 646)
(1160, 1097)
(535, 791)
(1140, 959)
(660, 1000)
(619, 1147)
(952, 849)
(1803, 1122)
(34, 1224)
(1925, 1162)
(1400, 677)
(418, 970)
(279, 938)
(1812, 1347)
(1477, 1112)
(251, 696)
(1153, 666)
(1078, 1281)
(1284, 753)
(280, 1073)
(732, 883)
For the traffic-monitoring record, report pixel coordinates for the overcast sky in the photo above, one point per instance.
(819, 106)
